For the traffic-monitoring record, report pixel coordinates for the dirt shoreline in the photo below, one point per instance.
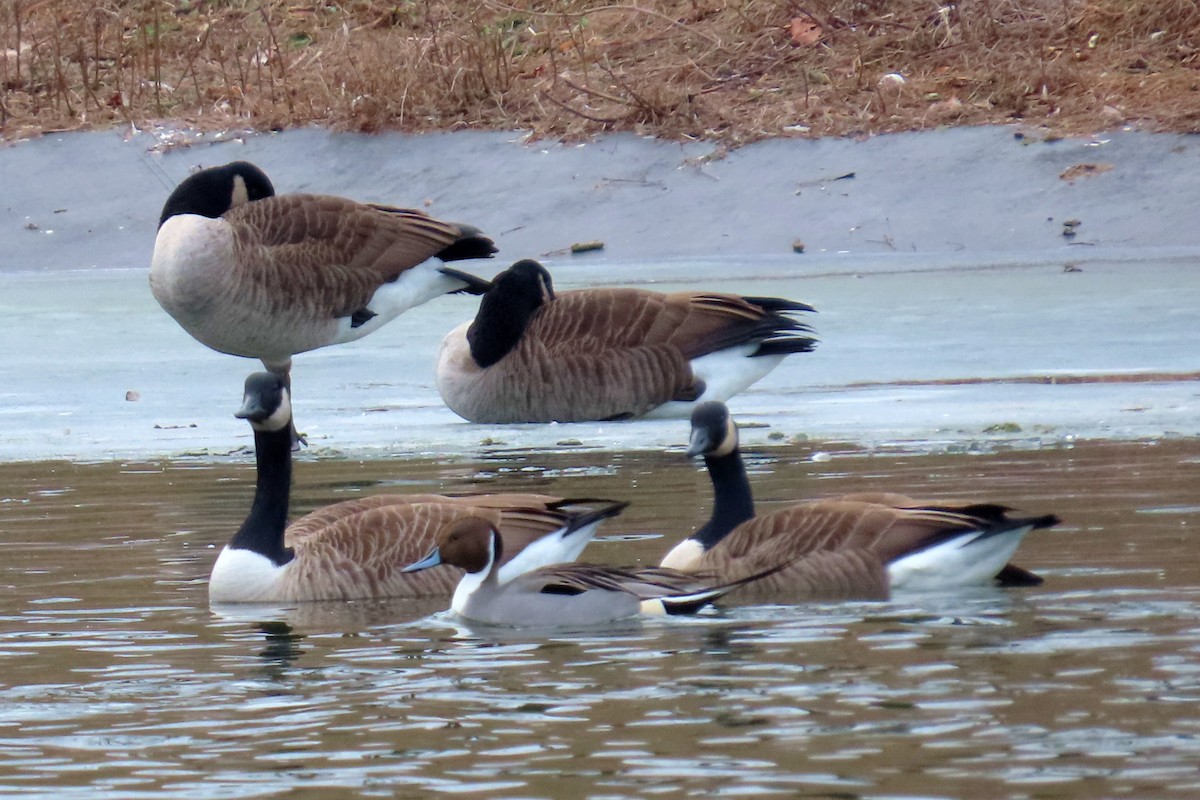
(683, 70)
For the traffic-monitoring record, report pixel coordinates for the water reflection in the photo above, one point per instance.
(283, 647)
(118, 680)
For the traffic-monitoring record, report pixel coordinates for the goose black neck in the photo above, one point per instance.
(501, 322)
(733, 503)
(262, 532)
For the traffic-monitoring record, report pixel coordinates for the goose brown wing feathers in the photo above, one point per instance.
(318, 520)
(694, 323)
(605, 353)
(362, 554)
(825, 575)
(586, 381)
(331, 251)
(522, 518)
(841, 547)
(839, 524)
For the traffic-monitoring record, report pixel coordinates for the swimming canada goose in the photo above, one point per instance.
(535, 355)
(855, 545)
(357, 548)
(260, 275)
(560, 594)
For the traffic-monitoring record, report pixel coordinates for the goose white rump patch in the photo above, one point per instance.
(962, 561)
(684, 555)
(415, 286)
(725, 373)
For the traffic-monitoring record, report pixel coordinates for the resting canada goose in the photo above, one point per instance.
(356, 549)
(561, 594)
(256, 274)
(856, 545)
(536, 355)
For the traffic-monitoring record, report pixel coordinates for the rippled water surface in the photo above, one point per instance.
(117, 680)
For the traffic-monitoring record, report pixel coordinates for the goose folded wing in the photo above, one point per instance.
(363, 554)
(322, 518)
(337, 250)
(824, 575)
(712, 322)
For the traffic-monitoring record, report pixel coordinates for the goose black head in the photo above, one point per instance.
(213, 191)
(528, 280)
(265, 403)
(713, 431)
(505, 310)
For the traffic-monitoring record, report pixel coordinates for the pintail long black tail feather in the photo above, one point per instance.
(474, 284)
(685, 605)
(691, 603)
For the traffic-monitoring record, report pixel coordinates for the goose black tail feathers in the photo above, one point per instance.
(779, 304)
(786, 346)
(474, 284)
(470, 244)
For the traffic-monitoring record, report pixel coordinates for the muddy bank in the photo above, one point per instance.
(905, 201)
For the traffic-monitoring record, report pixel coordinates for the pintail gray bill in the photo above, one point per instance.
(855, 545)
(251, 273)
(536, 355)
(523, 594)
(358, 548)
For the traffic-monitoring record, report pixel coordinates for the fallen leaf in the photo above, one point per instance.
(804, 30)
(1083, 171)
(586, 247)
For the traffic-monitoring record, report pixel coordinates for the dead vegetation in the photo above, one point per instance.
(732, 72)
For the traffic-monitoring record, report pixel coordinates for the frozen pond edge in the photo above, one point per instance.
(945, 286)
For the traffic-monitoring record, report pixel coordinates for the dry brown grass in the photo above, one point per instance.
(674, 68)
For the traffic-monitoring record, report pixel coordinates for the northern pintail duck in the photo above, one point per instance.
(855, 545)
(256, 274)
(535, 355)
(523, 593)
(357, 548)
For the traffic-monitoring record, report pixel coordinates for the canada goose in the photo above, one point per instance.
(536, 355)
(561, 594)
(856, 545)
(256, 274)
(357, 548)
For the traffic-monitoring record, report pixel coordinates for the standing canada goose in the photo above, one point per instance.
(528, 595)
(855, 545)
(260, 275)
(536, 355)
(357, 548)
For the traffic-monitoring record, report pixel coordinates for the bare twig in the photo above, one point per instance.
(577, 112)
